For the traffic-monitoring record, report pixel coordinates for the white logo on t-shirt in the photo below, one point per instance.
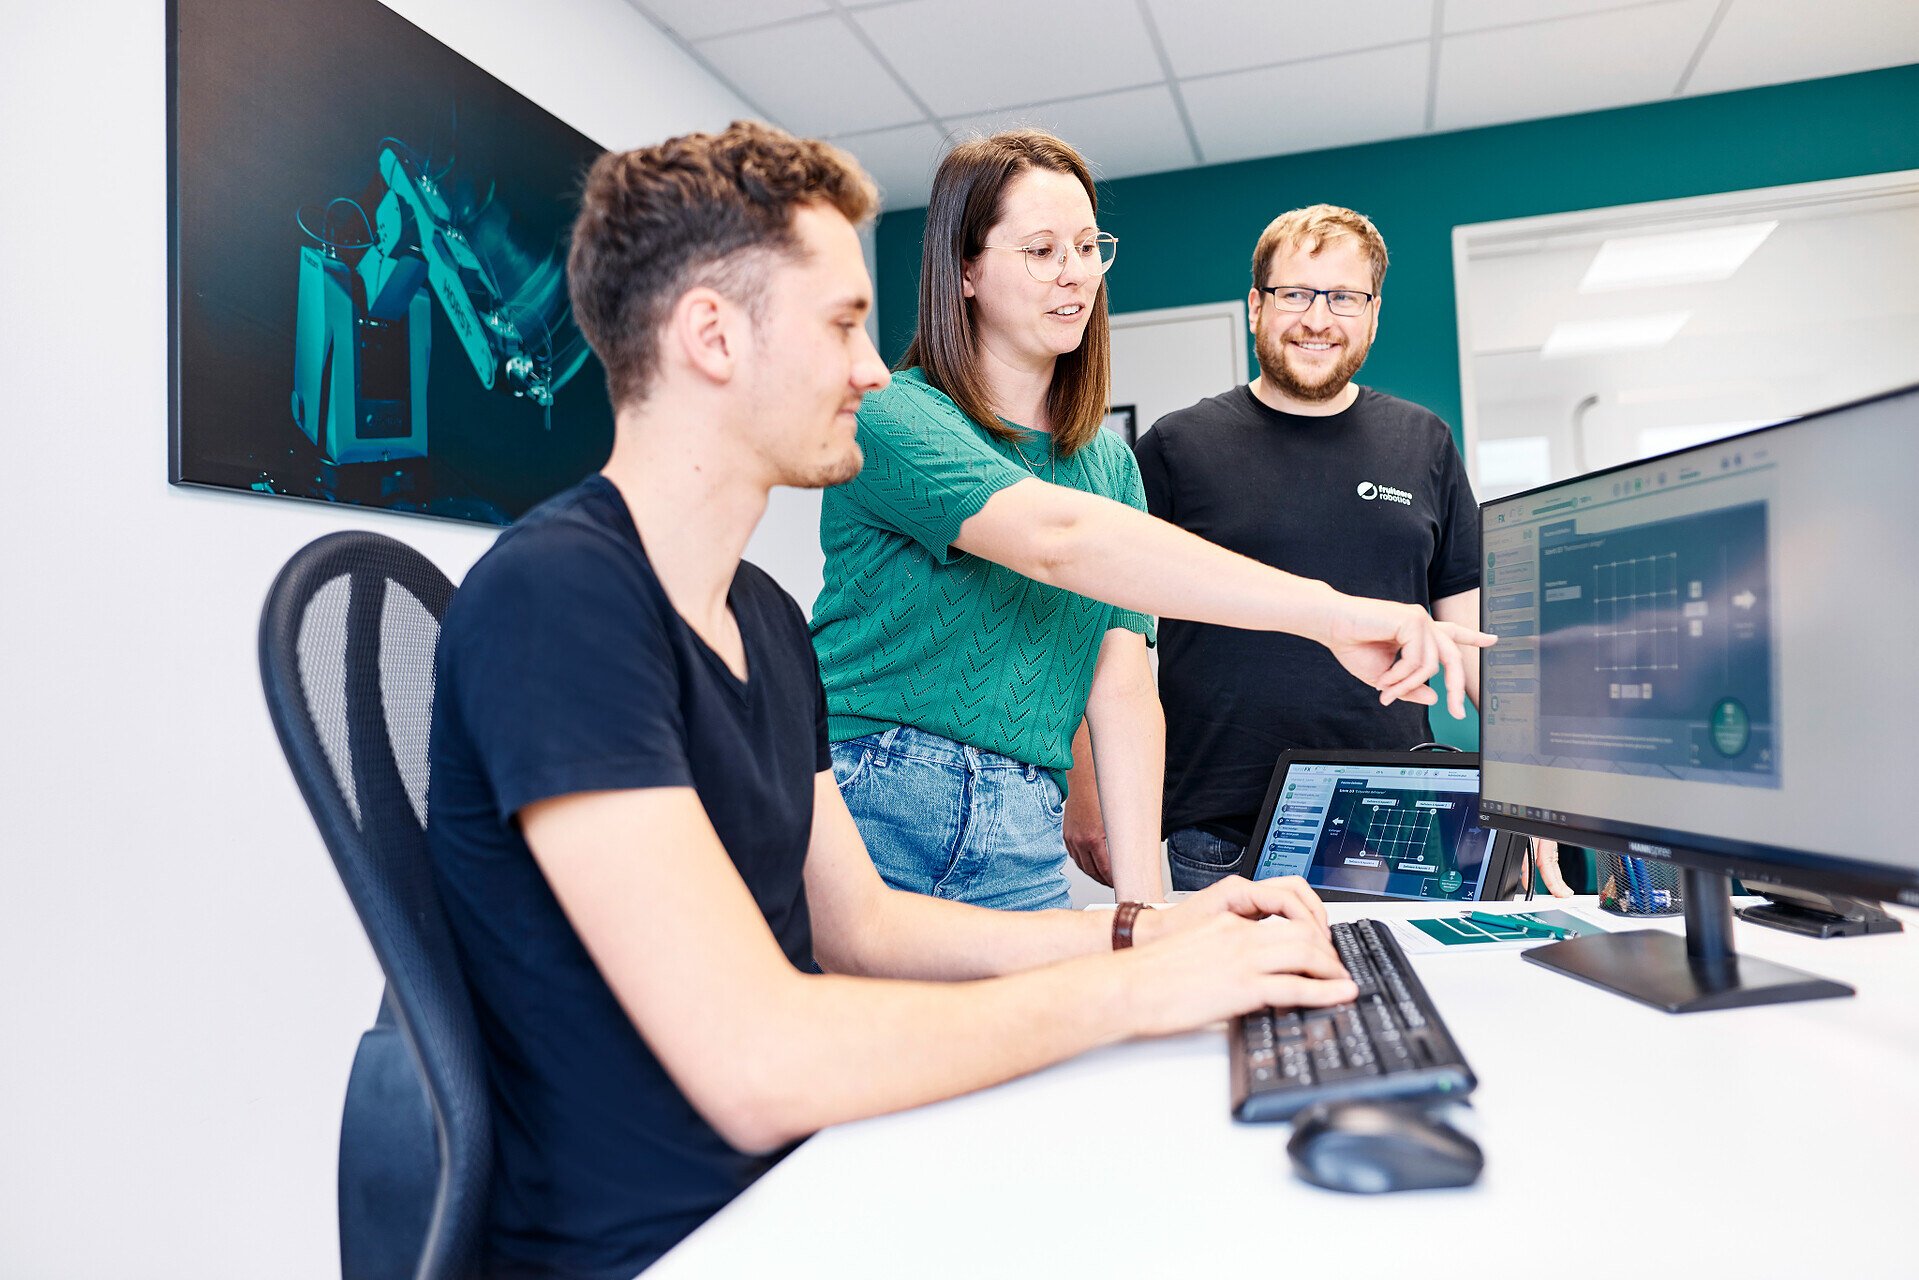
(1369, 491)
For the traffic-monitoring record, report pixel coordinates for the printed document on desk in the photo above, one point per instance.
(1427, 935)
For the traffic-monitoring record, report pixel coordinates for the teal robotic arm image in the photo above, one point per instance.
(363, 344)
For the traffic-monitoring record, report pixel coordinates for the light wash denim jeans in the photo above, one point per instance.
(953, 821)
(1197, 858)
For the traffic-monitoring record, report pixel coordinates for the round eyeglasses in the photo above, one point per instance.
(1046, 257)
(1341, 302)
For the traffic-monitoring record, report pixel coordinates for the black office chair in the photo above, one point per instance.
(346, 654)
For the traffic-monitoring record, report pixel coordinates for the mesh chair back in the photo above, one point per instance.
(347, 641)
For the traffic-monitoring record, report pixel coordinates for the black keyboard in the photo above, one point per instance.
(1389, 1043)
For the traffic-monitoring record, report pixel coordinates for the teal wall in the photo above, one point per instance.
(1187, 237)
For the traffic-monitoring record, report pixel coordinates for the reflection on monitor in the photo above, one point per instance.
(1707, 657)
(1636, 625)
(1654, 641)
(1390, 831)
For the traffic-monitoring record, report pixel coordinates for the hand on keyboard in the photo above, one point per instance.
(1287, 896)
(1226, 964)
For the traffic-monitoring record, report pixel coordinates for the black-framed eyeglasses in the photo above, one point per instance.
(1046, 256)
(1341, 302)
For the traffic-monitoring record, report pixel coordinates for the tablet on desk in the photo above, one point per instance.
(1382, 825)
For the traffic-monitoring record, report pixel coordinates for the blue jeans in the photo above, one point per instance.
(953, 821)
(1197, 858)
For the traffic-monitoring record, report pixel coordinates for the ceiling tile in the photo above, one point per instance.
(813, 76)
(1774, 41)
(1206, 36)
(698, 19)
(1006, 53)
(1120, 134)
(1611, 59)
(1328, 102)
(1476, 15)
(900, 160)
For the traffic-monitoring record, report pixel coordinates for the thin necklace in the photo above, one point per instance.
(1052, 459)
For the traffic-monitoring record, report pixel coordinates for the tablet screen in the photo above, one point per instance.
(1388, 830)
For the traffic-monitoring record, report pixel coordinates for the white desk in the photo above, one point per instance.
(1775, 1141)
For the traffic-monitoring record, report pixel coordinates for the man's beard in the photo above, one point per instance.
(1271, 351)
(828, 474)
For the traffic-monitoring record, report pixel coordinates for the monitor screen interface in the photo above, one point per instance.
(1715, 647)
(1385, 830)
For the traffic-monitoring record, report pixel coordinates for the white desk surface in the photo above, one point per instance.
(1619, 1140)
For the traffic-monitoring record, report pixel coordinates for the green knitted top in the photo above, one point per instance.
(910, 630)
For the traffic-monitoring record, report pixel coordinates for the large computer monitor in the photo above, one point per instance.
(1712, 657)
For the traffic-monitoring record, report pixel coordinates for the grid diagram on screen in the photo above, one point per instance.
(1398, 833)
(1636, 613)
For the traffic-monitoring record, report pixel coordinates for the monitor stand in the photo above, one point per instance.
(1685, 975)
(1819, 915)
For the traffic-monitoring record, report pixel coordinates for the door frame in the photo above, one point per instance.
(1234, 310)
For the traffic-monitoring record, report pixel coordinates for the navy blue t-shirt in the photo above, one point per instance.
(563, 668)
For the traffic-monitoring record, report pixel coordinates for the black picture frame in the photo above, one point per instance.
(1123, 421)
(305, 142)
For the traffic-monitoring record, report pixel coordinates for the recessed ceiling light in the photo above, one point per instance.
(1680, 257)
(1628, 333)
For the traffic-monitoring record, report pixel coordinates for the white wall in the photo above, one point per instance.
(182, 982)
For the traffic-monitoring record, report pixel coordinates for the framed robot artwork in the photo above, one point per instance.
(367, 268)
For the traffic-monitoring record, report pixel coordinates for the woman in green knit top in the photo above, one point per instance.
(991, 572)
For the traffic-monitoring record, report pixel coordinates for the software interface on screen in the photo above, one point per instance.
(1716, 641)
(1397, 832)
(1635, 628)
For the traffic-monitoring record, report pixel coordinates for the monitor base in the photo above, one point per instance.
(1656, 968)
(1826, 915)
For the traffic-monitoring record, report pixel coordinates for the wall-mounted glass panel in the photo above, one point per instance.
(1593, 338)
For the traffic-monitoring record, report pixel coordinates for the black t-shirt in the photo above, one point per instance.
(563, 668)
(1374, 501)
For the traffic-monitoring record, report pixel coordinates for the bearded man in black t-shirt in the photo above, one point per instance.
(1308, 471)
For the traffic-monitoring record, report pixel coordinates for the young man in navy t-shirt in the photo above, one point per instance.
(633, 818)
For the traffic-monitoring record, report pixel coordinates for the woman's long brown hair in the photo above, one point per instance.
(967, 192)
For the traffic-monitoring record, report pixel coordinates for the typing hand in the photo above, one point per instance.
(1226, 964)
(1396, 648)
(1288, 897)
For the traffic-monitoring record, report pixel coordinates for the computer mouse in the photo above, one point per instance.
(1369, 1147)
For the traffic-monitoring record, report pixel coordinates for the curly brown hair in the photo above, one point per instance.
(706, 209)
